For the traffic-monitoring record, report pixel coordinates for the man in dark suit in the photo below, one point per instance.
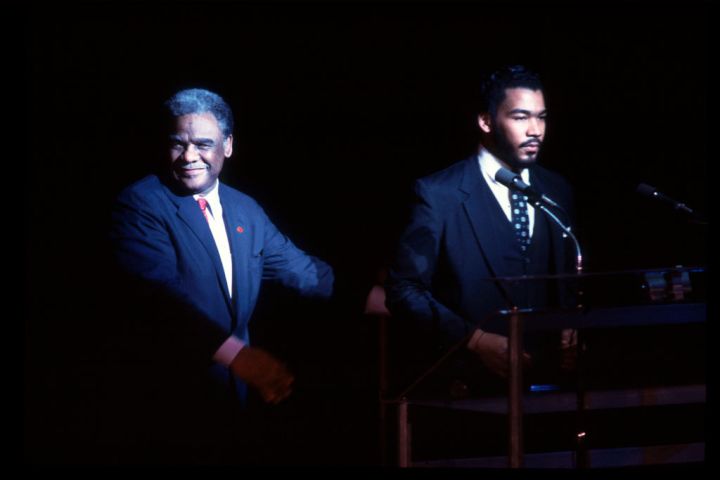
(464, 232)
(193, 253)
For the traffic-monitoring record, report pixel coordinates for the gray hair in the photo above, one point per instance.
(198, 100)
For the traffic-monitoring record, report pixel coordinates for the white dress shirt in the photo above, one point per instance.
(230, 347)
(217, 228)
(489, 165)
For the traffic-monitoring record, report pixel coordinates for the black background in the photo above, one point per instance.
(339, 107)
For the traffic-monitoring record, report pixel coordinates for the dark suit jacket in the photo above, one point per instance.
(449, 252)
(163, 241)
(167, 399)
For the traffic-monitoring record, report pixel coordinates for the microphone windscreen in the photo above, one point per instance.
(505, 176)
(645, 189)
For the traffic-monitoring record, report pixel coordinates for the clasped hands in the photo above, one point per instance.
(494, 352)
(264, 372)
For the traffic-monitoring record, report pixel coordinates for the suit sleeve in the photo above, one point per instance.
(409, 284)
(286, 264)
(145, 256)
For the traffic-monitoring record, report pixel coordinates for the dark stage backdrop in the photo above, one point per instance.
(339, 108)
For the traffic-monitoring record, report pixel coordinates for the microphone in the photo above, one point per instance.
(514, 182)
(650, 191)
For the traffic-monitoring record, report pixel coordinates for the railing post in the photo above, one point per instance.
(403, 434)
(515, 391)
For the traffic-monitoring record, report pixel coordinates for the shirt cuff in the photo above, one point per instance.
(475, 339)
(227, 351)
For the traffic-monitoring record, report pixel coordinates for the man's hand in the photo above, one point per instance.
(264, 372)
(493, 351)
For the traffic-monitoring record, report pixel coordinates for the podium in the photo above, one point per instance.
(641, 301)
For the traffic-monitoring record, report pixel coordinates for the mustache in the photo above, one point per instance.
(535, 143)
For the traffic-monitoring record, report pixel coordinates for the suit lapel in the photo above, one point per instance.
(479, 205)
(237, 225)
(189, 213)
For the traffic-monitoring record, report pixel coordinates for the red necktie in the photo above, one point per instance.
(203, 206)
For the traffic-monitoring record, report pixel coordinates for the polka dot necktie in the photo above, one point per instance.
(519, 219)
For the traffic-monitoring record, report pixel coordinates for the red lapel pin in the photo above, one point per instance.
(240, 229)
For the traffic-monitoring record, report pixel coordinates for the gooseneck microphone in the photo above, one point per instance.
(652, 192)
(514, 181)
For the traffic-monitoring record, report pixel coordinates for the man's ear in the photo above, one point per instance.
(485, 122)
(228, 146)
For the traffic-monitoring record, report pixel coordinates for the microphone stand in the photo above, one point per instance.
(652, 192)
(581, 454)
(566, 233)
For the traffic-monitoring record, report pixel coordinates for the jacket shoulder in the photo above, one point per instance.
(447, 176)
(143, 189)
(552, 179)
(447, 183)
(549, 174)
(242, 200)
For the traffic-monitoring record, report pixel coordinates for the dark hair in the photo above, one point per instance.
(493, 86)
(198, 100)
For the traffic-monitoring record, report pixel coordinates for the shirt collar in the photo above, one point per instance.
(489, 165)
(212, 196)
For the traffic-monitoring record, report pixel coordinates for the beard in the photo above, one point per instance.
(508, 153)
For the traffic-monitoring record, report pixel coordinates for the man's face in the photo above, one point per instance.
(198, 151)
(518, 128)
